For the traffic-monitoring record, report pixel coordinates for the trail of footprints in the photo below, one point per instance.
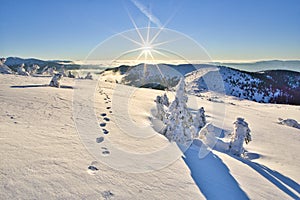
(92, 169)
(105, 120)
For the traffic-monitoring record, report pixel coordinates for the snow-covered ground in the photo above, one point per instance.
(44, 157)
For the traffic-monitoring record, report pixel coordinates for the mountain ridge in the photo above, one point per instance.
(270, 86)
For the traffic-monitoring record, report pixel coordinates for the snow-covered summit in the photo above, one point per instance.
(276, 86)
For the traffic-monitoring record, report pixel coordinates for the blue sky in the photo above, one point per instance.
(227, 29)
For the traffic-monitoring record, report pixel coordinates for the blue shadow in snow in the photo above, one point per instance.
(274, 177)
(213, 177)
(37, 86)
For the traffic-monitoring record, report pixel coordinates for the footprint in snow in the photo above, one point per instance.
(108, 107)
(106, 152)
(92, 169)
(107, 194)
(103, 114)
(105, 131)
(110, 111)
(99, 139)
(106, 119)
(102, 124)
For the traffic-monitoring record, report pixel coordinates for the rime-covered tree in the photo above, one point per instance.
(165, 100)
(200, 120)
(241, 134)
(89, 76)
(33, 69)
(55, 81)
(21, 70)
(3, 68)
(160, 111)
(179, 122)
(63, 71)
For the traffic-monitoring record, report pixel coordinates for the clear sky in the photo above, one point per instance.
(227, 29)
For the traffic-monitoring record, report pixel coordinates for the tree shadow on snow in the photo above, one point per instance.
(274, 177)
(212, 176)
(35, 86)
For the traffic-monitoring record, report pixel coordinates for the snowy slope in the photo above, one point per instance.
(277, 86)
(43, 157)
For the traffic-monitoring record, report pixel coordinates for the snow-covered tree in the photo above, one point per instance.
(51, 71)
(161, 113)
(207, 134)
(162, 103)
(200, 120)
(32, 70)
(89, 76)
(21, 70)
(70, 75)
(179, 122)
(2, 61)
(241, 133)
(63, 71)
(3, 68)
(45, 70)
(55, 81)
(165, 100)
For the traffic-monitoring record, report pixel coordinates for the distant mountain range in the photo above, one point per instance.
(15, 62)
(265, 81)
(293, 65)
(270, 86)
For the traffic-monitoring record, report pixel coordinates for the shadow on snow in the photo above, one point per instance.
(214, 180)
(274, 177)
(213, 177)
(35, 86)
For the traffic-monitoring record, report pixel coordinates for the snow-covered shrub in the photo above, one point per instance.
(289, 122)
(200, 120)
(179, 122)
(21, 70)
(55, 81)
(241, 133)
(209, 136)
